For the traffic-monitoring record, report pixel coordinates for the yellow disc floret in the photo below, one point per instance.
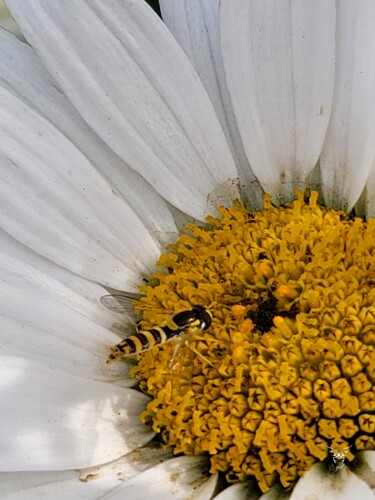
(286, 371)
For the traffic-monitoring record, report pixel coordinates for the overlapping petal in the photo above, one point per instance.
(320, 483)
(195, 24)
(50, 315)
(349, 149)
(53, 200)
(280, 74)
(87, 484)
(179, 478)
(22, 73)
(56, 337)
(26, 270)
(69, 203)
(161, 122)
(51, 420)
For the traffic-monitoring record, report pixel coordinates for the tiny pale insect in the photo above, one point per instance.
(196, 317)
(337, 458)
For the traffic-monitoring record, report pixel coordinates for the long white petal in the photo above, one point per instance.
(50, 420)
(179, 478)
(195, 25)
(27, 267)
(319, 483)
(22, 72)
(57, 338)
(279, 63)
(52, 316)
(53, 200)
(87, 484)
(349, 149)
(133, 84)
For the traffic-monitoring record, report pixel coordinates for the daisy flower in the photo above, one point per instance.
(252, 123)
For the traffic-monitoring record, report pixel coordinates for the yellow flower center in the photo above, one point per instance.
(286, 370)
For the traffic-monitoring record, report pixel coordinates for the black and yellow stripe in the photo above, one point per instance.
(197, 317)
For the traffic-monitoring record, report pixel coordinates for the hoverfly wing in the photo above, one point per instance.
(124, 303)
(120, 303)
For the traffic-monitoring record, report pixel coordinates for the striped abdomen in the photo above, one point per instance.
(198, 316)
(146, 339)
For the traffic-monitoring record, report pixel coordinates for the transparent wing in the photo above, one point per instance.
(125, 303)
(120, 303)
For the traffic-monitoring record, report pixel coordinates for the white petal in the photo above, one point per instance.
(366, 468)
(45, 316)
(369, 458)
(38, 329)
(349, 150)
(181, 477)
(195, 24)
(52, 316)
(324, 485)
(279, 63)
(277, 492)
(51, 420)
(88, 484)
(241, 491)
(56, 282)
(22, 72)
(53, 200)
(114, 63)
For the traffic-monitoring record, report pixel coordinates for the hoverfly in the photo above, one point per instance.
(196, 317)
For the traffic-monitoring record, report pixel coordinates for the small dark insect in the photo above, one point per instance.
(196, 317)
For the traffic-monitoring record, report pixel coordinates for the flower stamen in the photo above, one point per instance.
(286, 371)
